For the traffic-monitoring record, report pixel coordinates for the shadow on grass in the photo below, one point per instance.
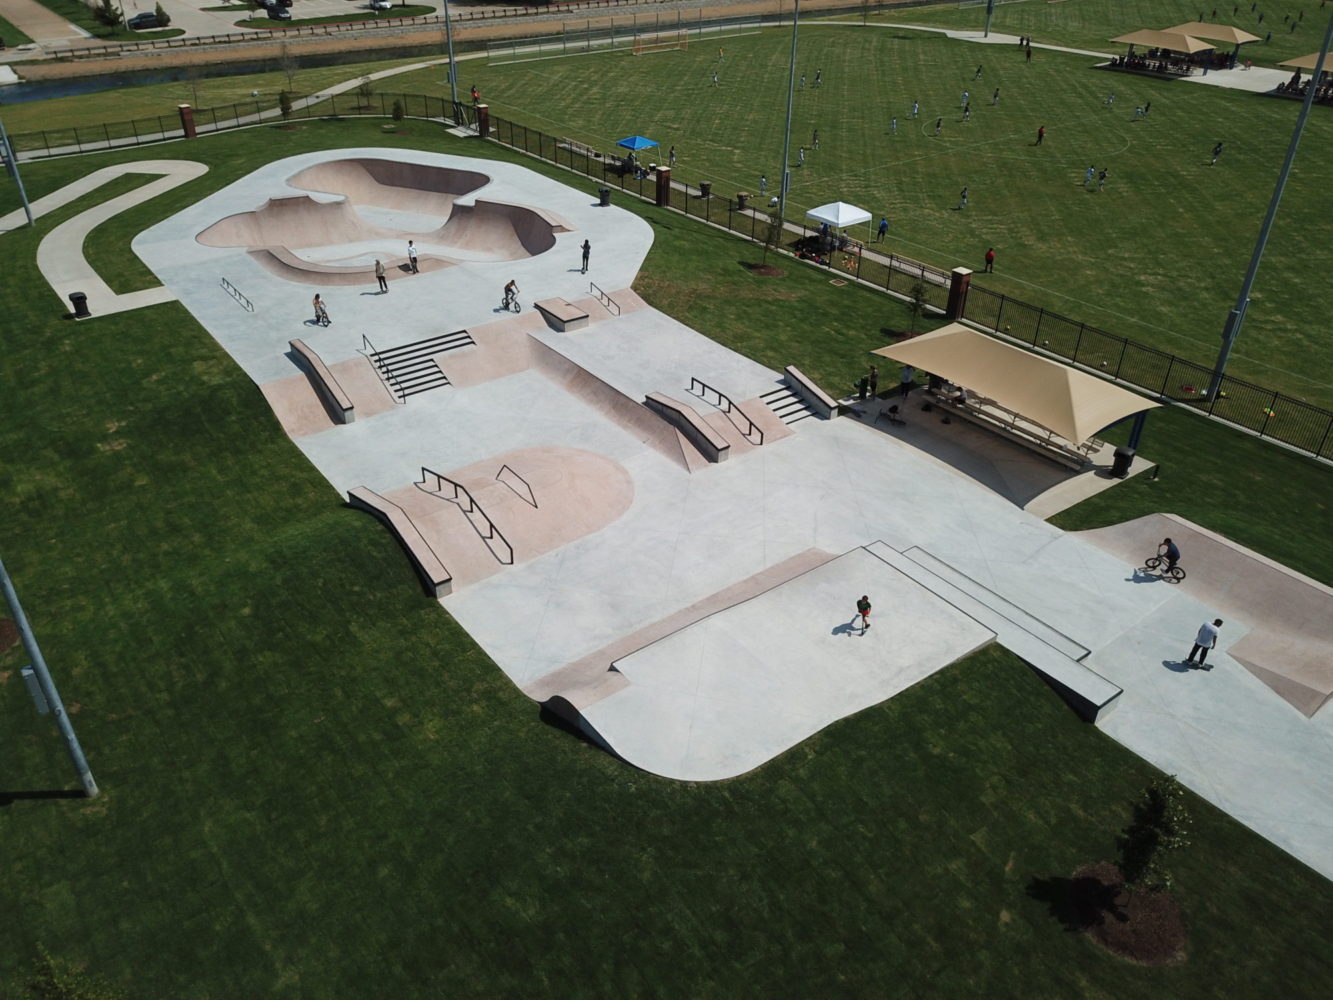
(9, 798)
(1078, 903)
(556, 721)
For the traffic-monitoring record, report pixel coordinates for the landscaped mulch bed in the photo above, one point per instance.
(1142, 927)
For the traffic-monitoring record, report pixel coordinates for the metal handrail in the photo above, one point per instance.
(384, 371)
(728, 409)
(604, 299)
(531, 498)
(235, 293)
(492, 532)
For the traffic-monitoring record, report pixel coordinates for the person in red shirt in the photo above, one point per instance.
(1041, 135)
(990, 259)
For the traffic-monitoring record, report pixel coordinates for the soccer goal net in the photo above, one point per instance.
(661, 41)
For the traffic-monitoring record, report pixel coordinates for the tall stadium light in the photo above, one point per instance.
(46, 687)
(1236, 318)
(990, 12)
(449, 43)
(791, 97)
(12, 166)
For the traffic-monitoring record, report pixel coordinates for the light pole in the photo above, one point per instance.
(791, 96)
(12, 165)
(990, 12)
(1236, 318)
(449, 42)
(47, 686)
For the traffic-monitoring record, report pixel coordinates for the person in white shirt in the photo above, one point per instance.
(1204, 641)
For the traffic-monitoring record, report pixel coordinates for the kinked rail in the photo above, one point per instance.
(724, 403)
(495, 541)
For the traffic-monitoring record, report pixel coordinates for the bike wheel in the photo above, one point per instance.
(1153, 562)
(1176, 573)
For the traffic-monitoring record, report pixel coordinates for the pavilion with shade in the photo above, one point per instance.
(1026, 397)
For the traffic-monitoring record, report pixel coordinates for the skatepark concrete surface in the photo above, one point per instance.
(694, 616)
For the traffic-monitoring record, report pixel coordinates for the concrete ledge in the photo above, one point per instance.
(815, 398)
(712, 445)
(561, 315)
(434, 577)
(331, 394)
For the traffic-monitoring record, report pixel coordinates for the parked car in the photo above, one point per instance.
(138, 22)
(276, 13)
(380, 4)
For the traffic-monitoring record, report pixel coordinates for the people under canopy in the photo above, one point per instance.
(1052, 395)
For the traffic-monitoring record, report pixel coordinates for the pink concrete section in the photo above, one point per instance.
(590, 678)
(538, 498)
(404, 187)
(490, 229)
(297, 406)
(1290, 645)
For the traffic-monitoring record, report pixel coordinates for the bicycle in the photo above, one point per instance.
(510, 304)
(1173, 574)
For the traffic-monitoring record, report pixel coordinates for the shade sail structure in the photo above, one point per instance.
(636, 142)
(1060, 398)
(1172, 41)
(839, 214)
(1307, 62)
(1213, 32)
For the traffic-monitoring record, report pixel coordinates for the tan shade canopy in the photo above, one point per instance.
(1060, 398)
(1213, 32)
(1307, 62)
(1172, 41)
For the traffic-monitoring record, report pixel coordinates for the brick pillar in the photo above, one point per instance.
(663, 187)
(958, 285)
(187, 120)
(483, 121)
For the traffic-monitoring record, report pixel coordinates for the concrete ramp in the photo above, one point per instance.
(298, 221)
(735, 689)
(1290, 645)
(402, 187)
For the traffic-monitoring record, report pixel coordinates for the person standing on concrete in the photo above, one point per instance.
(412, 256)
(883, 229)
(862, 387)
(587, 252)
(990, 261)
(906, 381)
(863, 612)
(1204, 641)
(874, 380)
(379, 276)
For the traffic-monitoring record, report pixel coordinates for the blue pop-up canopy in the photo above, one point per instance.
(636, 142)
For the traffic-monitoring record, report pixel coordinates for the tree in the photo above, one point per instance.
(916, 304)
(1160, 825)
(108, 13)
(289, 64)
(773, 233)
(163, 18)
(285, 105)
(398, 111)
(364, 90)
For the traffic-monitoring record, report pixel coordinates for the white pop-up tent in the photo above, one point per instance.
(840, 215)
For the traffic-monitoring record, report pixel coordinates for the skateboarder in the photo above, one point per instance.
(863, 610)
(1204, 641)
(587, 252)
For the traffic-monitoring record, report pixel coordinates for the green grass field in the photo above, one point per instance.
(1158, 256)
(315, 785)
(1091, 24)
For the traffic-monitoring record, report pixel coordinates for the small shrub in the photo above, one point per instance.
(398, 111)
(364, 90)
(285, 104)
(163, 18)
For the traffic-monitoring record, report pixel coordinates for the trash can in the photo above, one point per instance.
(80, 303)
(1124, 458)
(605, 194)
(705, 188)
(742, 198)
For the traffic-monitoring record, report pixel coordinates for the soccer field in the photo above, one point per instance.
(1157, 256)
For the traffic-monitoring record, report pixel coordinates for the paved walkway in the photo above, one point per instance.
(39, 24)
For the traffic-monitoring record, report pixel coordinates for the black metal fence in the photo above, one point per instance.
(1266, 412)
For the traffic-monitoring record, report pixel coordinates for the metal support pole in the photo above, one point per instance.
(47, 685)
(1136, 432)
(1236, 318)
(791, 97)
(990, 12)
(449, 42)
(12, 165)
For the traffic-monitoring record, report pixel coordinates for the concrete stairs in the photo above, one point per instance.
(787, 405)
(411, 368)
